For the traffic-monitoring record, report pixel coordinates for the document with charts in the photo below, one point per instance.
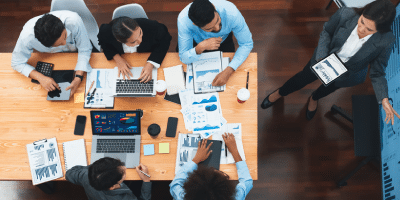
(44, 161)
(186, 149)
(236, 130)
(205, 69)
(103, 80)
(329, 69)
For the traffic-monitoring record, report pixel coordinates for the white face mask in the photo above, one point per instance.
(131, 46)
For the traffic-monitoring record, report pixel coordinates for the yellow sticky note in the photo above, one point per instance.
(79, 97)
(163, 148)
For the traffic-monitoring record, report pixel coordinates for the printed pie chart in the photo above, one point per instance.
(127, 120)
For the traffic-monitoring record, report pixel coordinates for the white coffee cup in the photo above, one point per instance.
(161, 86)
(243, 95)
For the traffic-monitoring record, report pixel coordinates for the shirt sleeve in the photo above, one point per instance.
(82, 43)
(176, 186)
(75, 175)
(245, 181)
(145, 194)
(245, 41)
(156, 65)
(163, 39)
(187, 53)
(20, 56)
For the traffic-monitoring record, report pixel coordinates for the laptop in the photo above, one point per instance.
(116, 134)
(133, 87)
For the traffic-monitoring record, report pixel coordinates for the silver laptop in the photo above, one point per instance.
(116, 134)
(133, 87)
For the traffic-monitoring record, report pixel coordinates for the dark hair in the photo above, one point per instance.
(122, 28)
(208, 183)
(201, 12)
(382, 12)
(48, 29)
(105, 172)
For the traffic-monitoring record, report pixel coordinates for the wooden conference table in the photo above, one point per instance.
(26, 115)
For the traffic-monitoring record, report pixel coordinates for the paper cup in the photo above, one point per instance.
(161, 86)
(243, 95)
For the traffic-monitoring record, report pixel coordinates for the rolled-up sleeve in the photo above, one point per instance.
(20, 56)
(245, 181)
(244, 38)
(176, 186)
(82, 43)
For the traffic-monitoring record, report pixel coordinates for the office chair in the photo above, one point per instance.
(366, 130)
(133, 11)
(83, 11)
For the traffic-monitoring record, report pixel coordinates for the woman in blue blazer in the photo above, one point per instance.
(360, 37)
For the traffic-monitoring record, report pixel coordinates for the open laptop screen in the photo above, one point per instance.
(115, 122)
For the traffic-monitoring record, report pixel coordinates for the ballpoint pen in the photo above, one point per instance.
(247, 82)
(91, 85)
(91, 96)
(144, 173)
(226, 151)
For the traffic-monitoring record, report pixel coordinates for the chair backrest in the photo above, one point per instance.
(83, 11)
(133, 11)
(352, 3)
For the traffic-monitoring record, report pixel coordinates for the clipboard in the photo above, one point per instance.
(44, 160)
(329, 69)
(102, 99)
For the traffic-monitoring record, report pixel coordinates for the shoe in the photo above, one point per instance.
(266, 103)
(310, 114)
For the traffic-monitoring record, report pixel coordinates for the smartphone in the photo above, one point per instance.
(171, 126)
(80, 125)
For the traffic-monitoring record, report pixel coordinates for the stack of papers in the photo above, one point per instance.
(202, 113)
(236, 130)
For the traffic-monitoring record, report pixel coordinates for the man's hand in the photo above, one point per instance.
(203, 151)
(390, 112)
(145, 170)
(208, 44)
(146, 74)
(74, 85)
(223, 77)
(230, 143)
(48, 83)
(123, 67)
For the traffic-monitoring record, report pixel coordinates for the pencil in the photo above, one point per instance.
(89, 89)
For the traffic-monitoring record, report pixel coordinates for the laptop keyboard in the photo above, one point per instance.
(134, 86)
(115, 146)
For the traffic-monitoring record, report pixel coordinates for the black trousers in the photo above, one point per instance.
(226, 46)
(304, 78)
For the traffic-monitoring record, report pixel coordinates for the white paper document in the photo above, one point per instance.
(186, 150)
(174, 79)
(205, 69)
(329, 68)
(103, 82)
(236, 130)
(44, 161)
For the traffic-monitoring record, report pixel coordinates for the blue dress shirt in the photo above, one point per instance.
(77, 39)
(242, 188)
(231, 20)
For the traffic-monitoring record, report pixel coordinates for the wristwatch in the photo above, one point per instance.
(79, 76)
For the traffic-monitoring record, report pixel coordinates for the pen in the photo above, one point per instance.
(90, 88)
(91, 96)
(144, 173)
(226, 151)
(247, 82)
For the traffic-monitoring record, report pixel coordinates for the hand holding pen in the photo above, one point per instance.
(143, 172)
(230, 143)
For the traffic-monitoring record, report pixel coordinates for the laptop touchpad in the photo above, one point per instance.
(119, 156)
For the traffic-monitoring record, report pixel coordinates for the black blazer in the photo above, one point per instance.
(156, 39)
(375, 52)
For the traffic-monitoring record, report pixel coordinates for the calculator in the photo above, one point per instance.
(44, 68)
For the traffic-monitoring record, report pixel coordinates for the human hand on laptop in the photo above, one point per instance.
(123, 67)
(203, 151)
(146, 74)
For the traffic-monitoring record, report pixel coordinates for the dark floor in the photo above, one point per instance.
(298, 159)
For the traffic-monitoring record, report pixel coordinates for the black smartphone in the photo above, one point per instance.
(171, 126)
(80, 125)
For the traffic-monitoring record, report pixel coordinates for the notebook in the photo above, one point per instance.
(175, 79)
(214, 159)
(74, 153)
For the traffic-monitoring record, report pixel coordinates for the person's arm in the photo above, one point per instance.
(82, 43)
(146, 186)
(21, 54)
(187, 53)
(163, 40)
(379, 83)
(326, 35)
(105, 41)
(244, 39)
(75, 175)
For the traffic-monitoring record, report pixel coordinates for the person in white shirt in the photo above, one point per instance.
(57, 31)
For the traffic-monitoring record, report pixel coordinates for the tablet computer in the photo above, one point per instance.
(329, 69)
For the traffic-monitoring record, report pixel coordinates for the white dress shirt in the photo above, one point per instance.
(77, 39)
(352, 45)
(128, 49)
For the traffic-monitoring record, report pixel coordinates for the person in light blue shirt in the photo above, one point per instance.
(207, 26)
(199, 183)
(57, 31)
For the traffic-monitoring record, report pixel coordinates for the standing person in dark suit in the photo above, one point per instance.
(360, 37)
(127, 35)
